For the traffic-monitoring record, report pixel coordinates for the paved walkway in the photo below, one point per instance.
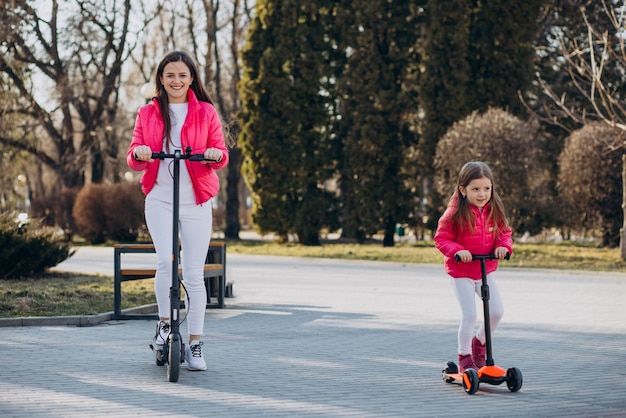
(328, 338)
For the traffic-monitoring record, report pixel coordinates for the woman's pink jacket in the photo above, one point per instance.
(202, 129)
(481, 241)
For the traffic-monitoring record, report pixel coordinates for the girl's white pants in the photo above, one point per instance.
(195, 225)
(466, 291)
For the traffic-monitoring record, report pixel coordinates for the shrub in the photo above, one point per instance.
(124, 215)
(113, 212)
(512, 148)
(88, 213)
(590, 179)
(29, 249)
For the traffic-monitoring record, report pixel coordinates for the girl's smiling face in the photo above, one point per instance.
(176, 80)
(477, 192)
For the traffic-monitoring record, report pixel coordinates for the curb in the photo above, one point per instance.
(76, 320)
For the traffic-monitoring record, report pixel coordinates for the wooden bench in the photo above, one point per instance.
(214, 276)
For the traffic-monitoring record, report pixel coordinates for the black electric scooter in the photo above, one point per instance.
(490, 373)
(173, 352)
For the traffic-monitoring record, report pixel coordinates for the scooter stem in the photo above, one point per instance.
(484, 291)
(175, 288)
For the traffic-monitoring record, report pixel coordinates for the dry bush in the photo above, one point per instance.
(89, 214)
(109, 212)
(512, 148)
(124, 215)
(590, 179)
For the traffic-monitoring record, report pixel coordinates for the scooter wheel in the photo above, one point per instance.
(514, 379)
(470, 381)
(450, 368)
(159, 359)
(174, 355)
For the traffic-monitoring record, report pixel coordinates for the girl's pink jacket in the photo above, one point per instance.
(202, 129)
(481, 241)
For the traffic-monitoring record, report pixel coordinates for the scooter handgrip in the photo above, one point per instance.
(506, 256)
(457, 258)
(200, 157)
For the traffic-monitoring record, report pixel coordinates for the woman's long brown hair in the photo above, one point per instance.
(463, 216)
(161, 95)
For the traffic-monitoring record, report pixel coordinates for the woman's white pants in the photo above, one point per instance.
(195, 226)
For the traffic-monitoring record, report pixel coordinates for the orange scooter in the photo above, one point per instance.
(490, 373)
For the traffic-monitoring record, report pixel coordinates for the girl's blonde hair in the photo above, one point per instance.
(463, 216)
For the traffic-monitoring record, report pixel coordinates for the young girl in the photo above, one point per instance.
(474, 223)
(181, 115)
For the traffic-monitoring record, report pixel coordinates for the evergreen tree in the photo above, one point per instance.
(285, 121)
(374, 129)
(446, 74)
(443, 88)
(476, 55)
(500, 52)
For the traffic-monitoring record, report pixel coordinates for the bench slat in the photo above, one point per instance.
(152, 272)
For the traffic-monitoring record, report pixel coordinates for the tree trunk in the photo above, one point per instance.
(309, 237)
(390, 230)
(622, 242)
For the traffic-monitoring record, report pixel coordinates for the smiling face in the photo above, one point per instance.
(176, 80)
(477, 192)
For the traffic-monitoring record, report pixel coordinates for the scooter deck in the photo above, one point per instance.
(492, 375)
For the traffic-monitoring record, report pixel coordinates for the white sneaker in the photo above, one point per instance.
(193, 355)
(162, 332)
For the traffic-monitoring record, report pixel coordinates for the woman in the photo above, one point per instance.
(181, 116)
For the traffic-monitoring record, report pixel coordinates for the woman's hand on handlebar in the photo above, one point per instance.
(143, 153)
(213, 154)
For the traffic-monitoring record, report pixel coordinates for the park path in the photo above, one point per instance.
(331, 338)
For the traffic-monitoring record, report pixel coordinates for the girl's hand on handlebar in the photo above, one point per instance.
(143, 153)
(464, 255)
(214, 154)
(500, 252)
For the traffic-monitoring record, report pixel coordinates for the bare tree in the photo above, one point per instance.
(211, 30)
(226, 25)
(65, 61)
(587, 64)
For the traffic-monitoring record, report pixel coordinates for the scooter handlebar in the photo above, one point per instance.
(483, 257)
(188, 156)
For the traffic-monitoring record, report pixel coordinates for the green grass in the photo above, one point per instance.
(64, 294)
(565, 255)
(68, 294)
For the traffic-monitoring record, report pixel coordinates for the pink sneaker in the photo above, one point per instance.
(466, 362)
(478, 353)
